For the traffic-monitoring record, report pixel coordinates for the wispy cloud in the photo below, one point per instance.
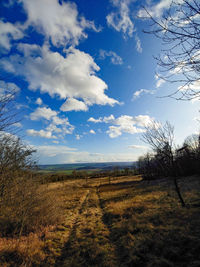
(62, 154)
(141, 92)
(159, 81)
(138, 147)
(114, 58)
(121, 20)
(138, 44)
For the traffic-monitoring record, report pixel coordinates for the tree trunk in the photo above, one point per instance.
(178, 192)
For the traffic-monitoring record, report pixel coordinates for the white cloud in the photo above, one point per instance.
(63, 154)
(137, 147)
(46, 113)
(57, 127)
(41, 133)
(115, 59)
(72, 75)
(8, 88)
(159, 81)
(157, 10)
(105, 119)
(9, 32)
(120, 20)
(91, 119)
(140, 92)
(92, 132)
(59, 22)
(46, 153)
(194, 86)
(109, 119)
(55, 141)
(78, 136)
(197, 119)
(138, 44)
(73, 104)
(124, 124)
(17, 124)
(143, 120)
(194, 100)
(38, 101)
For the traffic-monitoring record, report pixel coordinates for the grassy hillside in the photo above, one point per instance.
(129, 222)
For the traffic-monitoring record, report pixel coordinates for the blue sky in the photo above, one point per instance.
(85, 77)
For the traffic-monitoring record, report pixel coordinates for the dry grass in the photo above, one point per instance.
(148, 226)
(129, 222)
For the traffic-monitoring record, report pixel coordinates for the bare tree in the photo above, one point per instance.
(8, 115)
(161, 139)
(179, 30)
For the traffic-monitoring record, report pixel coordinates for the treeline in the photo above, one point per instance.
(83, 174)
(166, 161)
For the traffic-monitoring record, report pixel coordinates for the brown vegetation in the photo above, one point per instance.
(130, 222)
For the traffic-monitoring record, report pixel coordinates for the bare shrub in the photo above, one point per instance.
(23, 206)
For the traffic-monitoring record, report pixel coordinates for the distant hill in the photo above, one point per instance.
(85, 166)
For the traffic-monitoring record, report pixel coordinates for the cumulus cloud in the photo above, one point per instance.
(120, 20)
(91, 119)
(46, 113)
(59, 22)
(124, 124)
(8, 33)
(92, 131)
(41, 133)
(38, 101)
(114, 58)
(73, 104)
(57, 127)
(105, 119)
(69, 76)
(141, 92)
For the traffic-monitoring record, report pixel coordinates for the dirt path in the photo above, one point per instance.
(89, 243)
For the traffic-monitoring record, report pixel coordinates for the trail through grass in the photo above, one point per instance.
(129, 222)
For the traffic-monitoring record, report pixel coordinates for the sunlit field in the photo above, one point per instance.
(124, 222)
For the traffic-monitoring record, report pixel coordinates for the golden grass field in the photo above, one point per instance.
(129, 222)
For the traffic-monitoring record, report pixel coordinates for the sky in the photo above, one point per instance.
(85, 77)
